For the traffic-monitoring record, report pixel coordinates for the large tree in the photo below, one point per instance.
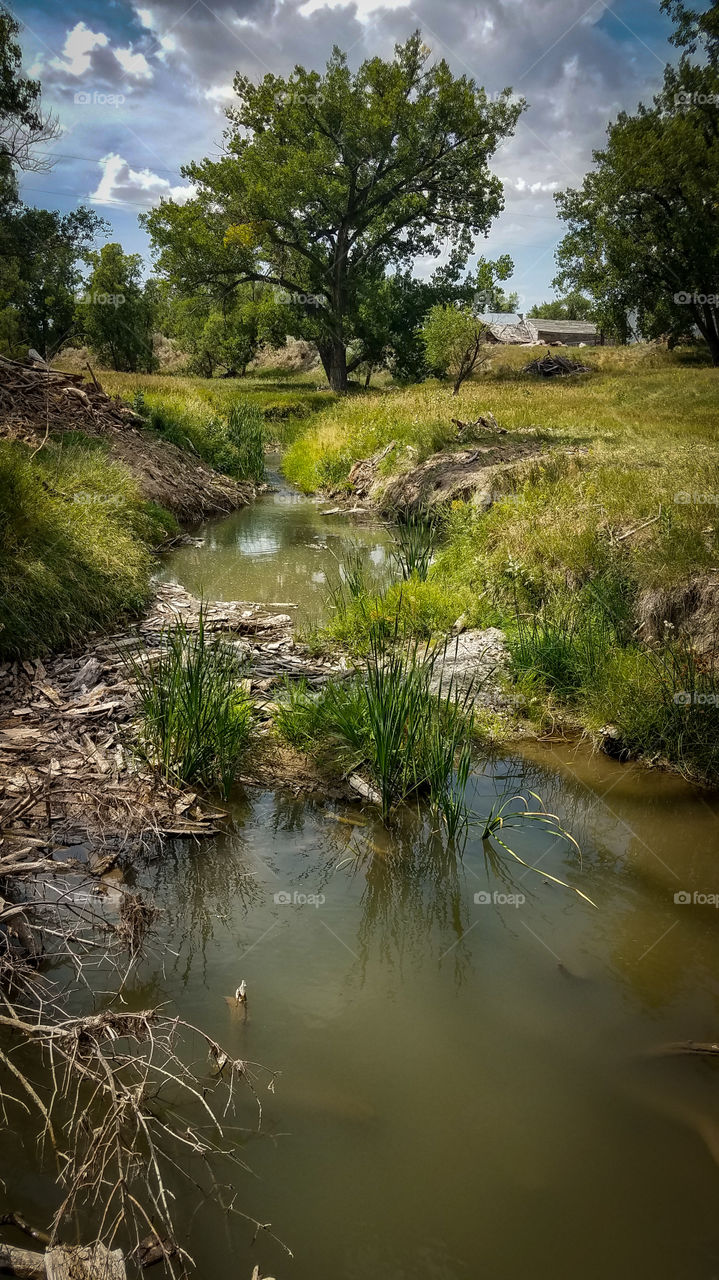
(23, 124)
(42, 253)
(116, 312)
(643, 232)
(329, 179)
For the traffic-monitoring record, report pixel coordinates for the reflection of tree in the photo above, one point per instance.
(201, 885)
(414, 890)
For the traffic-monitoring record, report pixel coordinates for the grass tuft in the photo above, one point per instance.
(195, 719)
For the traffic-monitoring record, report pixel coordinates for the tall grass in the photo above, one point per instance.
(75, 539)
(245, 430)
(230, 441)
(662, 699)
(398, 720)
(195, 718)
(416, 536)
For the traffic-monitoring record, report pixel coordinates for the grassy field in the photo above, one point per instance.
(622, 504)
(621, 509)
(75, 541)
(642, 430)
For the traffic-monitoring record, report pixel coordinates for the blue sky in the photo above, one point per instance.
(140, 89)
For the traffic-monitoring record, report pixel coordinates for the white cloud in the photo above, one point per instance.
(145, 16)
(79, 45)
(364, 7)
(219, 93)
(135, 64)
(120, 184)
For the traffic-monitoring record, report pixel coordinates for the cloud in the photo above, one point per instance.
(79, 46)
(135, 64)
(120, 184)
(577, 65)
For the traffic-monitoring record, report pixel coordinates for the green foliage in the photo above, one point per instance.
(575, 306)
(42, 252)
(643, 229)
(195, 719)
(22, 123)
(416, 537)
(453, 338)
(661, 700)
(116, 313)
(399, 721)
(74, 538)
(317, 196)
(231, 442)
(245, 430)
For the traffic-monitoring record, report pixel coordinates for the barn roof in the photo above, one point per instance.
(569, 327)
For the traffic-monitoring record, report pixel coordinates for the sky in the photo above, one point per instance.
(140, 91)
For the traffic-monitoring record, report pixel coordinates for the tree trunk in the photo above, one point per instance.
(707, 320)
(333, 354)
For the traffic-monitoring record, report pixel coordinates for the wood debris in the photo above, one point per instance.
(555, 366)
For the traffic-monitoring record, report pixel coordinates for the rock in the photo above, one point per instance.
(474, 658)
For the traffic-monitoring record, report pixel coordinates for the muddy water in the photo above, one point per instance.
(281, 549)
(472, 1081)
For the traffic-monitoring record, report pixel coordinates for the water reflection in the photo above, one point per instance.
(281, 549)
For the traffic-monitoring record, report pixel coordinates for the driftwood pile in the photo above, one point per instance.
(67, 771)
(31, 397)
(554, 366)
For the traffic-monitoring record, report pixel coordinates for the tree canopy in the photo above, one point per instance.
(116, 312)
(643, 234)
(23, 124)
(327, 180)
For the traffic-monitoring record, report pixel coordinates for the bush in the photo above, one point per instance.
(398, 721)
(231, 443)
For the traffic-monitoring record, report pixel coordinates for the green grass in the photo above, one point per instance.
(286, 402)
(389, 721)
(75, 541)
(642, 430)
(195, 719)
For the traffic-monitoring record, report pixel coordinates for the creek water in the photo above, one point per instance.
(471, 1078)
(471, 1083)
(280, 549)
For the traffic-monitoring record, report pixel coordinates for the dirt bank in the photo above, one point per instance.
(477, 474)
(38, 403)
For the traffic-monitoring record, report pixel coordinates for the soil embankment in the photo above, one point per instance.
(36, 404)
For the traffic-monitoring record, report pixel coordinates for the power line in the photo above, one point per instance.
(66, 155)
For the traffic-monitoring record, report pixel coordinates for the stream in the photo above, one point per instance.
(469, 1079)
